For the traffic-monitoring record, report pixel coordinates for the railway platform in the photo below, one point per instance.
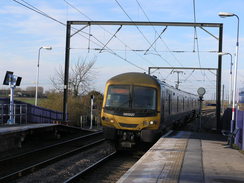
(13, 137)
(188, 157)
(9, 129)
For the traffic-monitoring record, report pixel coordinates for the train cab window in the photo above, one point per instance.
(118, 96)
(144, 98)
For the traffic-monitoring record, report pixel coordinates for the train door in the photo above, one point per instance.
(173, 103)
(169, 103)
(162, 104)
(183, 103)
(177, 104)
(166, 104)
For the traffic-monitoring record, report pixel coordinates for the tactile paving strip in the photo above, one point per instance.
(162, 163)
(174, 151)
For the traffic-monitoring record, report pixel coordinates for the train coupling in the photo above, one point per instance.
(127, 140)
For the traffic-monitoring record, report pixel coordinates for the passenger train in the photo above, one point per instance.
(138, 107)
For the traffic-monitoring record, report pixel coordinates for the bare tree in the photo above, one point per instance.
(80, 77)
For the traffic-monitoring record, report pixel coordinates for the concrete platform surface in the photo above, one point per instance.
(188, 157)
(19, 128)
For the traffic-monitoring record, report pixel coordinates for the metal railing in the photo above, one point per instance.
(20, 113)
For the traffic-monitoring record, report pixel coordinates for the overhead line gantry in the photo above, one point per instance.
(133, 23)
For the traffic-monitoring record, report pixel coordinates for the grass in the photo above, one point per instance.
(29, 100)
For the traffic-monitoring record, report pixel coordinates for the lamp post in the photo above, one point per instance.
(230, 82)
(223, 15)
(38, 64)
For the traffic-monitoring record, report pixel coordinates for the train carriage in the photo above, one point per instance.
(138, 106)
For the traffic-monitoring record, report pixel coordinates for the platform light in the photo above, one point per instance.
(233, 122)
(38, 63)
(230, 82)
(47, 47)
(226, 14)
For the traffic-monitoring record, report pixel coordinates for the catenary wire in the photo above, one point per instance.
(141, 32)
(31, 7)
(159, 35)
(196, 37)
(78, 10)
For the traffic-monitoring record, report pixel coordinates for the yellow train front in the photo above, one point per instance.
(137, 106)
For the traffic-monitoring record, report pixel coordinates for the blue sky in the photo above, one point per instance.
(23, 32)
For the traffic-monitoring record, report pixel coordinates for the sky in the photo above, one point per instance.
(130, 49)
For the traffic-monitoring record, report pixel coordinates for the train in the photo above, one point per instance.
(140, 107)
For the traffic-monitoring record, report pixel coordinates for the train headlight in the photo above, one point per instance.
(147, 123)
(153, 122)
(107, 119)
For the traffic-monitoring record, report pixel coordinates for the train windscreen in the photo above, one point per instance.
(118, 96)
(144, 98)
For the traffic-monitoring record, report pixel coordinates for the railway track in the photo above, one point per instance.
(111, 167)
(22, 164)
(77, 177)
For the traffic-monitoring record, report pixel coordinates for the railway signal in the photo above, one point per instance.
(201, 91)
(12, 81)
(92, 102)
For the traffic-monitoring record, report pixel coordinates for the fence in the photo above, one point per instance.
(20, 113)
(41, 115)
(28, 113)
(85, 122)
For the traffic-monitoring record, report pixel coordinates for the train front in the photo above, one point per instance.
(131, 109)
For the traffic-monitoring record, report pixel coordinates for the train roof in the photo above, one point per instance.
(137, 77)
(134, 77)
(175, 89)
